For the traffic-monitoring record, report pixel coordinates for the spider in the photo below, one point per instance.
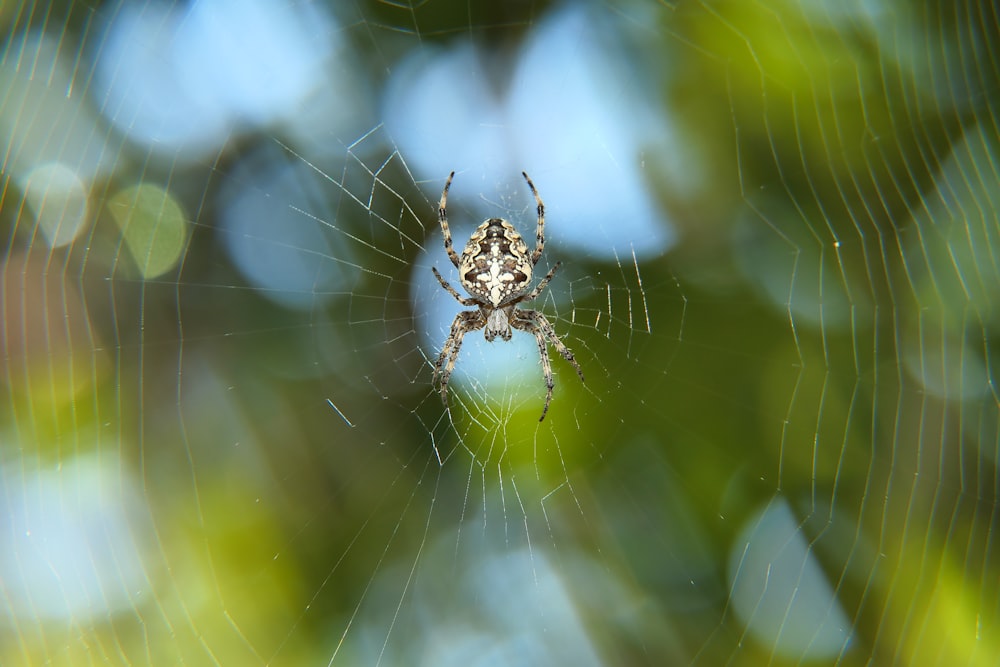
(495, 269)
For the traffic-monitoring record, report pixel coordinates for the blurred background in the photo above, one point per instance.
(219, 438)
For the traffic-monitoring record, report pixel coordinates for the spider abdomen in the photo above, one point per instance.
(495, 265)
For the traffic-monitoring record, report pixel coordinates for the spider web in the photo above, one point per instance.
(220, 439)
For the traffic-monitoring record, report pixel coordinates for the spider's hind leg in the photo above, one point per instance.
(443, 220)
(540, 232)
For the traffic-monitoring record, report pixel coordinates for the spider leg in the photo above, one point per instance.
(533, 294)
(451, 290)
(540, 234)
(542, 323)
(535, 323)
(543, 354)
(525, 321)
(464, 322)
(443, 219)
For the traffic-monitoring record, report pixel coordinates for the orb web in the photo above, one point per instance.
(777, 229)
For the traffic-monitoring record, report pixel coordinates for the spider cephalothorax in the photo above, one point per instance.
(495, 268)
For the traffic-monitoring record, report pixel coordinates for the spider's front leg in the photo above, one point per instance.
(525, 321)
(464, 322)
(535, 323)
(543, 353)
(549, 332)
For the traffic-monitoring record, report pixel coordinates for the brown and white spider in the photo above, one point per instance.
(495, 269)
